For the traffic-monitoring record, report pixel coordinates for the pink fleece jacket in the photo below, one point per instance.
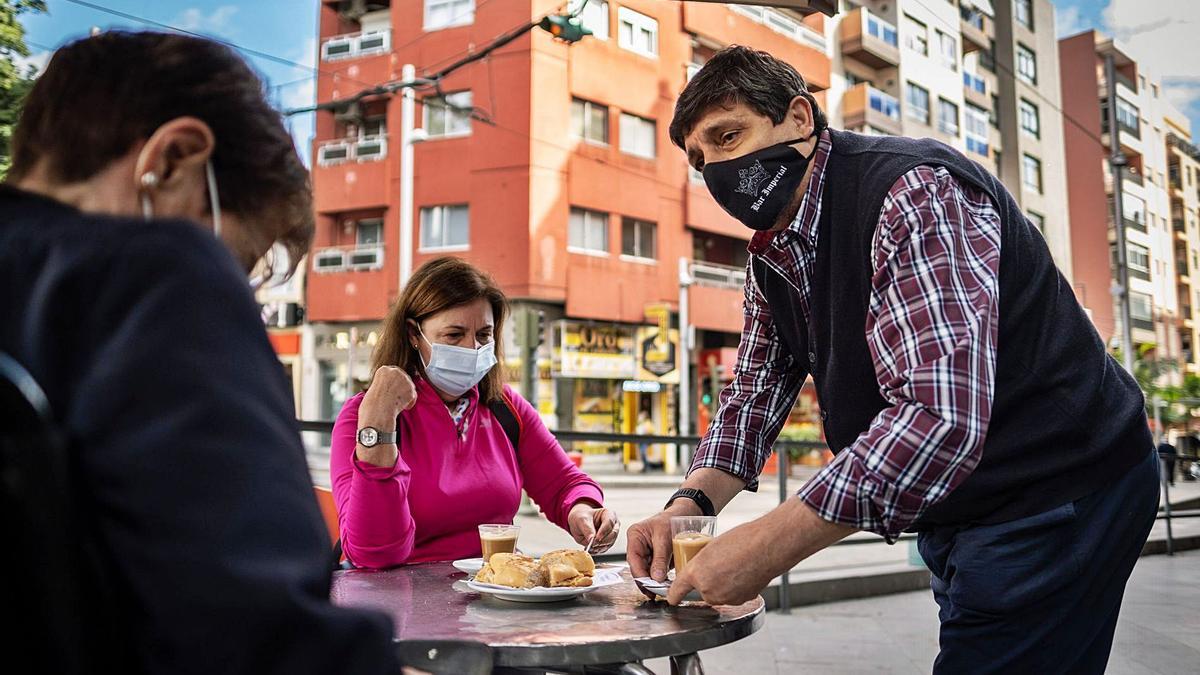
(428, 506)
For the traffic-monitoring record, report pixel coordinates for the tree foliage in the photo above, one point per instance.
(15, 81)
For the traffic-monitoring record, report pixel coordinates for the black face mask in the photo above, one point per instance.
(755, 188)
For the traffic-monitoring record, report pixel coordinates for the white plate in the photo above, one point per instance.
(468, 565)
(662, 588)
(602, 579)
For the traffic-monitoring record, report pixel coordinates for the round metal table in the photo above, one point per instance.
(612, 626)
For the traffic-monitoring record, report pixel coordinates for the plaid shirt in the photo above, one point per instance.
(931, 327)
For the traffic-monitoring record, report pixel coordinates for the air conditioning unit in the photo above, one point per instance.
(333, 153)
(371, 148)
(337, 48)
(368, 258)
(329, 260)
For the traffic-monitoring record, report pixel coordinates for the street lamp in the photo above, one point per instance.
(409, 136)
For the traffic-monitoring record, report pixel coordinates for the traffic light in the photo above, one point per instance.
(565, 28)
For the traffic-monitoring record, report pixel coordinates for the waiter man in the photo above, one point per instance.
(965, 393)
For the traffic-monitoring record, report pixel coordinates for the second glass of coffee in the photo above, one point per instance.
(689, 536)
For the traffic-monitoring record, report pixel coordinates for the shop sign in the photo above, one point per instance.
(600, 351)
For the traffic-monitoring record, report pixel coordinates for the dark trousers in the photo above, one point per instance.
(1040, 594)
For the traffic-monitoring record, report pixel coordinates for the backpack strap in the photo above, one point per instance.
(506, 414)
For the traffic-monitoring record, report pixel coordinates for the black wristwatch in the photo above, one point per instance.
(698, 496)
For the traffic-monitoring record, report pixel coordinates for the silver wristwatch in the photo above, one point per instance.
(369, 437)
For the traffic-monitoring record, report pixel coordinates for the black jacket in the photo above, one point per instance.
(189, 467)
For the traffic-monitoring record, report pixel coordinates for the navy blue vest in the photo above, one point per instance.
(1066, 419)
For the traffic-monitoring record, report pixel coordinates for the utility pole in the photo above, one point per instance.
(685, 362)
(1116, 164)
(407, 123)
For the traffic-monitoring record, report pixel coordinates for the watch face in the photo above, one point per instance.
(368, 437)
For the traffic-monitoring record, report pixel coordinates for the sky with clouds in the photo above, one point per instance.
(282, 28)
(1161, 34)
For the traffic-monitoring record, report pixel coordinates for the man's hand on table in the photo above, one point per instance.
(739, 564)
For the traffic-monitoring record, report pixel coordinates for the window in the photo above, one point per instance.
(1127, 117)
(1142, 82)
(588, 231)
(1140, 307)
(1133, 209)
(1030, 120)
(995, 115)
(1154, 88)
(638, 238)
(589, 121)
(1026, 64)
(447, 13)
(975, 126)
(882, 30)
(947, 117)
(918, 103)
(1023, 9)
(1037, 220)
(884, 103)
(595, 18)
(637, 136)
(637, 32)
(449, 116)
(987, 58)
(369, 232)
(1138, 259)
(917, 35)
(444, 227)
(1031, 174)
(948, 48)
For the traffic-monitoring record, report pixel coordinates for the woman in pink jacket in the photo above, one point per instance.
(420, 460)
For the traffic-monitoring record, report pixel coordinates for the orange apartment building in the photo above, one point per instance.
(570, 193)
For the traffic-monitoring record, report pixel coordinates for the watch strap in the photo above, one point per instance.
(381, 438)
(698, 496)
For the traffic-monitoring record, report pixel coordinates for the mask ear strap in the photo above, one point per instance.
(214, 202)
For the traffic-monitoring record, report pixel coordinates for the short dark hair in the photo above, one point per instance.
(739, 74)
(101, 95)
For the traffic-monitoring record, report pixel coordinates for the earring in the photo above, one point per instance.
(149, 179)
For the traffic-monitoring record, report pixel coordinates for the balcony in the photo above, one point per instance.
(719, 276)
(976, 90)
(1181, 270)
(347, 258)
(1134, 177)
(866, 106)
(342, 150)
(975, 27)
(869, 39)
(356, 45)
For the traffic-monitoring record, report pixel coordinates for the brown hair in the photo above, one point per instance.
(739, 74)
(101, 95)
(438, 285)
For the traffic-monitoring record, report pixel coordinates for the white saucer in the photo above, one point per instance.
(662, 588)
(468, 565)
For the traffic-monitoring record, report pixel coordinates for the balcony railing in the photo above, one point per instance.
(974, 82)
(355, 45)
(1178, 224)
(339, 151)
(783, 23)
(1134, 177)
(343, 258)
(718, 276)
(1181, 268)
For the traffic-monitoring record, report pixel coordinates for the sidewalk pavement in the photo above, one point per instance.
(1158, 632)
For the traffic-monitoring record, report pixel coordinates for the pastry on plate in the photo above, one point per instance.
(567, 568)
(513, 570)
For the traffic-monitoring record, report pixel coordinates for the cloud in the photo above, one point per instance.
(195, 20)
(1069, 21)
(1166, 49)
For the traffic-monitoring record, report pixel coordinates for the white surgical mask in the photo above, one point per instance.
(455, 370)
